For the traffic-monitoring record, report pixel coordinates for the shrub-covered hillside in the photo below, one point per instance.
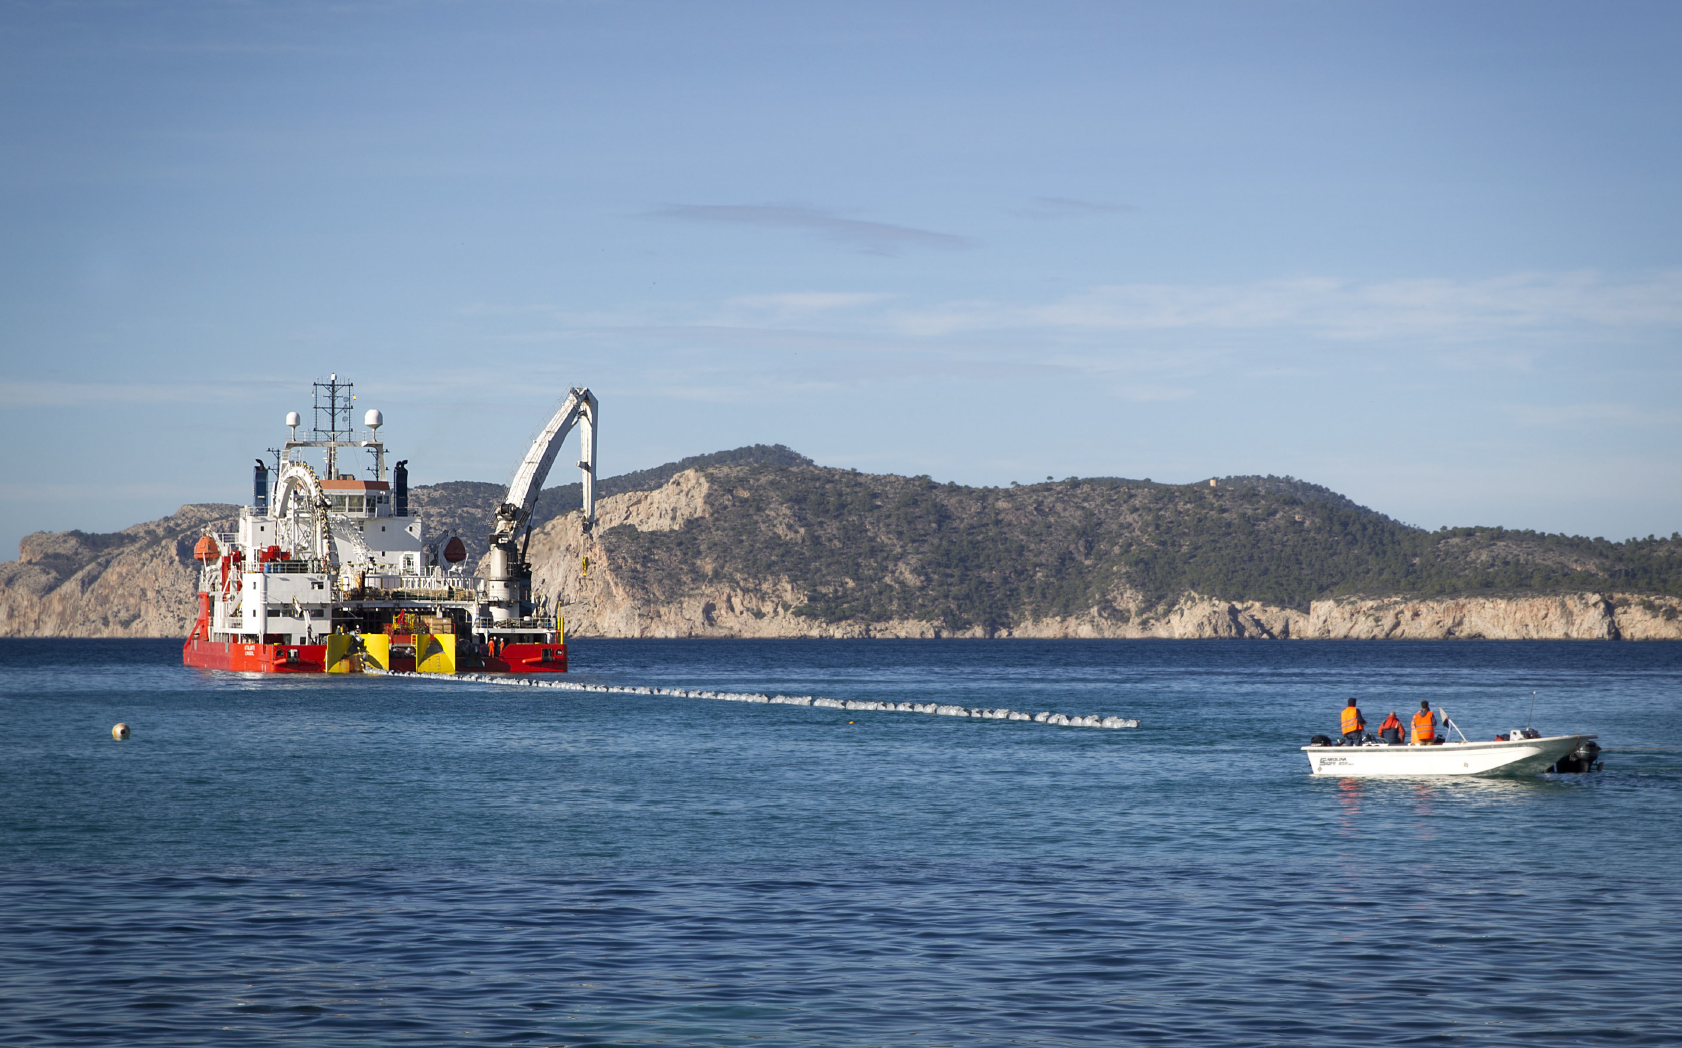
(875, 548)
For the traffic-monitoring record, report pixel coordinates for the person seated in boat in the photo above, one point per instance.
(1391, 730)
(1425, 726)
(1354, 725)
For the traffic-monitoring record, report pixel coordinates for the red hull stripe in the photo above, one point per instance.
(311, 658)
(255, 658)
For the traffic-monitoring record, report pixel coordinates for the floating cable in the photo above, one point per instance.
(1061, 720)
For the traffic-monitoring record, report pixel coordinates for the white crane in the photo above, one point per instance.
(580, 405)
(506, 571)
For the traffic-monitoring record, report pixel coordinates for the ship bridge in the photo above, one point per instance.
(358, 498)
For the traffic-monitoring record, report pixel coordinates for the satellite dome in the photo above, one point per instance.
(373, 419)
(292, 419)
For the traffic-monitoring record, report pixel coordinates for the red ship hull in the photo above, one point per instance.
(255, 658)
(312, 658)
(542, 657)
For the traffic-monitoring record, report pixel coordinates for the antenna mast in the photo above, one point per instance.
(333, 399)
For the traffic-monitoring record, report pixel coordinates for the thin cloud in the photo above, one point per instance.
(30, 393)
(1337, 308)
(877, 238)
(1589, 415)
(1142, 394)
(58, 494)
(1155, 339)
(808, 301)
(1047, 209)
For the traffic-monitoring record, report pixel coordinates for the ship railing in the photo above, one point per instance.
(441, 582)
(527, 625)
(428, 587)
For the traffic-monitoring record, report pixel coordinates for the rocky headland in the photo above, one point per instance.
(632, 590)
(762, 543)
(138, 582)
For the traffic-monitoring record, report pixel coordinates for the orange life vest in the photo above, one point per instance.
(1424, 727)
(1352, 720)
(1389, 723)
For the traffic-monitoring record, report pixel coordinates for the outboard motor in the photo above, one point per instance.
(1320, 740)
(260, 488)
(400, 489)
(1580, 760)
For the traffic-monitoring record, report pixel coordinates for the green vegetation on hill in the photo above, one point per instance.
(1302, 489)
(874, 548)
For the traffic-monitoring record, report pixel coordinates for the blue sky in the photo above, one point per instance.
(1426, 254)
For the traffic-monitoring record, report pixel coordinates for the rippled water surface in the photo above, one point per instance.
(339, 861)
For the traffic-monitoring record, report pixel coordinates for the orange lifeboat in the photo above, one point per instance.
(206, 550)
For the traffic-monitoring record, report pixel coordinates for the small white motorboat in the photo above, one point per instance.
(1524, 752)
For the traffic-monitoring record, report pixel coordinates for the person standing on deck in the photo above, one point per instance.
(1424, 726)
(1354, 725)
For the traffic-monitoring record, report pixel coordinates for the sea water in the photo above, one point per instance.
(374, 861)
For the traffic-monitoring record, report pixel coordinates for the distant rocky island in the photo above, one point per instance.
(761, 542)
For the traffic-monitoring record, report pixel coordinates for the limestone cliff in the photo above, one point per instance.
(138, 582)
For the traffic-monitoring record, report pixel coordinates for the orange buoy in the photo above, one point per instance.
(119, 731)
(206, 550)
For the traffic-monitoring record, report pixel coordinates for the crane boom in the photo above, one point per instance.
(579, 406)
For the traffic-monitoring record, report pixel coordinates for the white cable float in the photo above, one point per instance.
(1060, 720)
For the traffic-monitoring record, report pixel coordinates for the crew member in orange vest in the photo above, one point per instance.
(1391, 730)
(1354, 725)
(1424, 726)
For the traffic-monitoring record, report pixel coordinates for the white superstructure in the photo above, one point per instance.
(304, 550)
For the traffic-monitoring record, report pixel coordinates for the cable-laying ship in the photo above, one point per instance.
(328, 572)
